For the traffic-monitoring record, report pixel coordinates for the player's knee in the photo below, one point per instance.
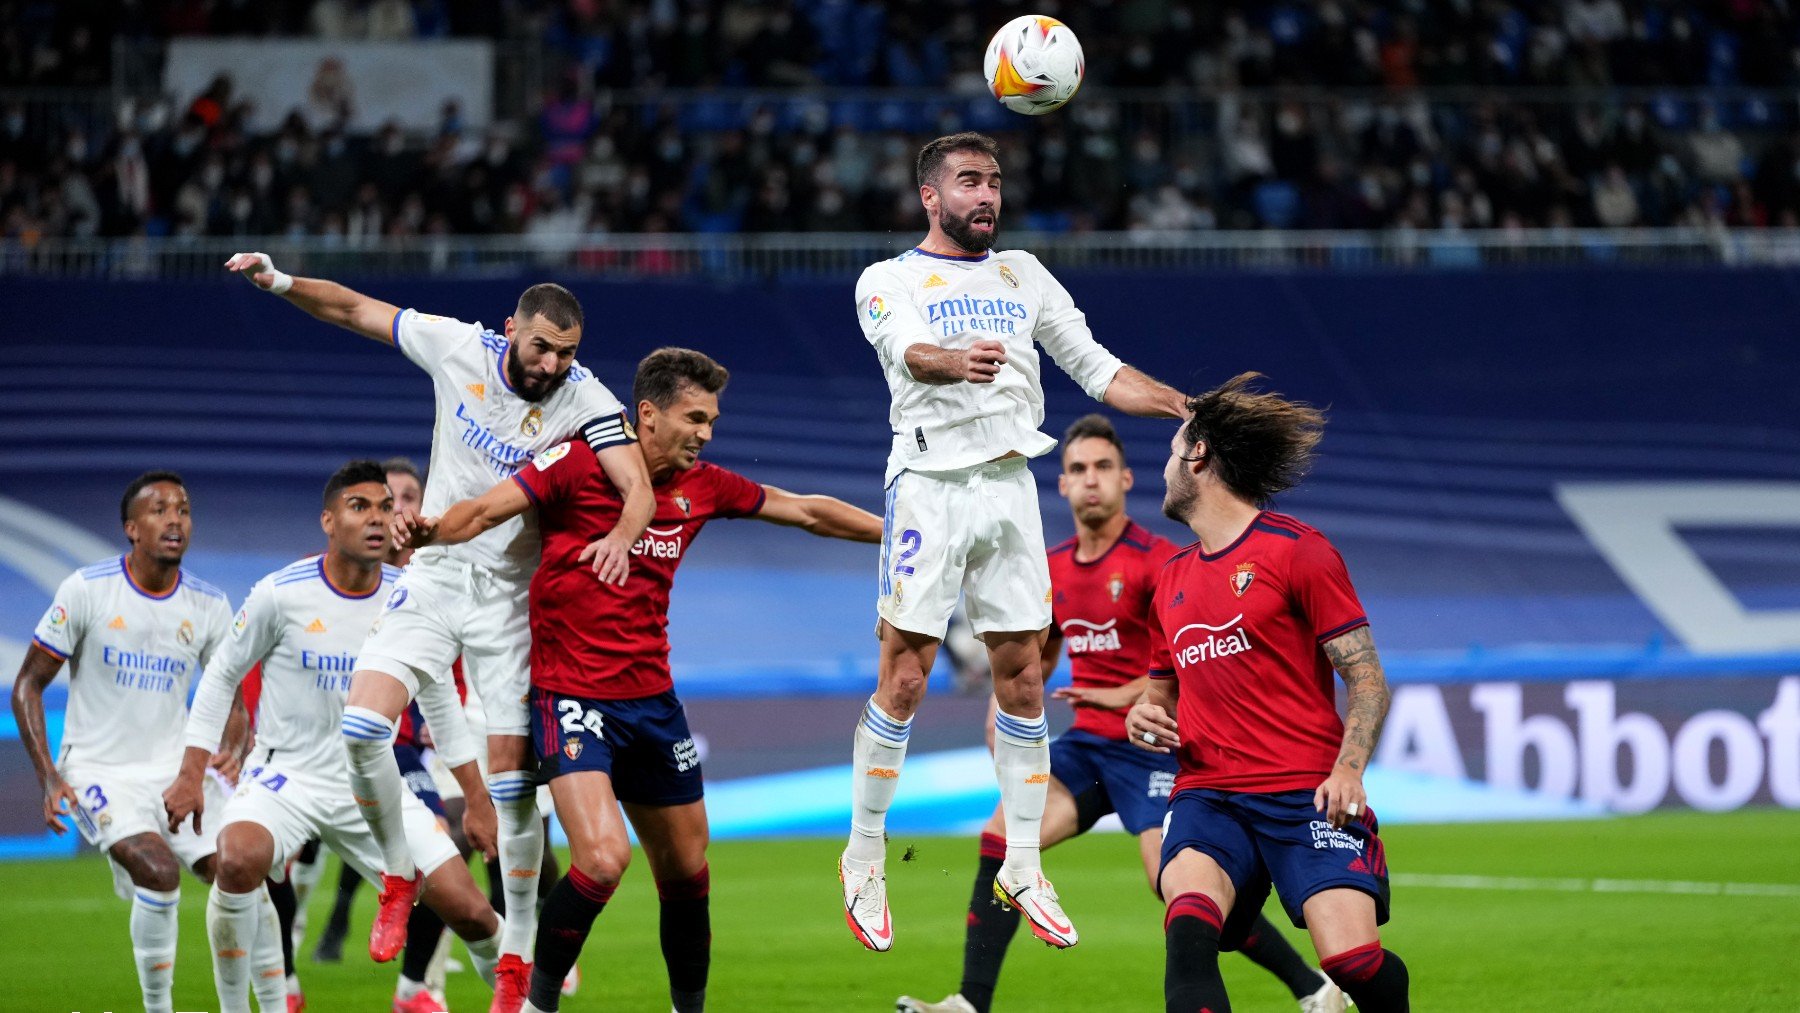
(904, 692)
(604, 863)
(235, 871)
(154, 871)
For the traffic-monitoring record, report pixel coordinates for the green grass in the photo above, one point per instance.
(780, 942)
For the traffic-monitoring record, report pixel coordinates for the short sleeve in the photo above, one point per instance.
(427, 339)
(734, 495)
(603, 420)
(1162, 663)
(65, 622)
(890, 320)
(1063, 331)
(555, 475)
(254, 633)
(1319, 588)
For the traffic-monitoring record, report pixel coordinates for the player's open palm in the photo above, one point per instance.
(59, 800)
(610, 558)
(183, 799)
(1150, 727)
(1341, 798)
(255, 268)
(982, 361)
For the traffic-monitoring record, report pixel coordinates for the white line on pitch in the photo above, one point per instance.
(1570, 885)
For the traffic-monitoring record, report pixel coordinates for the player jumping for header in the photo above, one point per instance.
(501, 400)
(955, 328)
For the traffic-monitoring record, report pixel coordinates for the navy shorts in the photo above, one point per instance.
(1106, 775)
(1278, 839)
(418, 779)
(643, 744)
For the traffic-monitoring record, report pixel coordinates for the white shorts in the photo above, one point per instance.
(122, 803)
(974, 532)
(295, 808)
(439, 611)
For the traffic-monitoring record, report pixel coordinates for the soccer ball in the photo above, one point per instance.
(1034, 64)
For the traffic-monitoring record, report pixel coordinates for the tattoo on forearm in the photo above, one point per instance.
(1354, 657)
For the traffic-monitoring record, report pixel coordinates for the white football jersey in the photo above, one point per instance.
(305, 633)
(485, 432)
(132, 657)
(952, 302)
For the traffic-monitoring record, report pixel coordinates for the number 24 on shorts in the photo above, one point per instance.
(575, 717)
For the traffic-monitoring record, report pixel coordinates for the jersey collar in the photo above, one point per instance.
(125, 568)
(966, 258)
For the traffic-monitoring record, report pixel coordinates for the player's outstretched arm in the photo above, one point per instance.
(1150, 724)
(1342, 796)
(979, 363)
(327, 300)
(1135, 392)
(611, 556)
(824, 516)
(465, 519)
(38, 671)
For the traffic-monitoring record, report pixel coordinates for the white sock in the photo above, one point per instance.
(521, 857)
(435, 971)
(377, 786)
(232, 923)
(268, 971)
(1022, 766)
(406, 988)
(879, 751)
(485, 953)
(154, 922)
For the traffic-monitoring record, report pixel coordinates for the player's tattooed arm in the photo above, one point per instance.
(979, 363)
(1341, 797)
(824, 516)
(39, 669)
(327, 300)
(1135, 392)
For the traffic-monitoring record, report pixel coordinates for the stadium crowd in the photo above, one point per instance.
(1363, 148)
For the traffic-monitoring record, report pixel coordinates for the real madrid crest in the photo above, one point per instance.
(1006, 275)
(1242, 578)
(572, 746)
(186, 633)
(1115, 586)
(534, 422)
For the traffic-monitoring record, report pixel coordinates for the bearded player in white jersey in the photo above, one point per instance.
(304, 624)
(501, 400)
(955, 327)
(135, 630)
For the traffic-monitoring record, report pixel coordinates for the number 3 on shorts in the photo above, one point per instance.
(575, 717)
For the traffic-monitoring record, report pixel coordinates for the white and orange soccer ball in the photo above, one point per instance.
(1034, 64)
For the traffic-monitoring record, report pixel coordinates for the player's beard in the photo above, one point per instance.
(1179, 500)
(536, 391)
(960, 231)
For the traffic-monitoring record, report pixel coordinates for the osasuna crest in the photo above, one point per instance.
(680, 499)
(572, 747)
(533, 423)
(1243, 578)
(1115, 585)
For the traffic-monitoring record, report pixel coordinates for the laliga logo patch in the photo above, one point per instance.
(551, 456)
(395, 600)
(238, 624)
(1243, 578)
(186, 633)
(680, 499)
(533, 423)
(877, 309)
(572, 746)
(58, 615)
(1006, 275)
(1115, 586)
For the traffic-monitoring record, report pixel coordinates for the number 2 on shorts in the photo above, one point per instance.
(910, 539)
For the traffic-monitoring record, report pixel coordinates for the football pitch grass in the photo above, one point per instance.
(1670, 911)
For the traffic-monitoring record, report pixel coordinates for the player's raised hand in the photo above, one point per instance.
(1341, 798)
(611, 559)
(982, 361)
(259, 270)
(59, 800)
(410, 530)
(183, 799)
(1149, 727)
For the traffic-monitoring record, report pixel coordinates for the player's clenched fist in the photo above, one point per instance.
(1150, 727)
(982, 361)
(259, 270)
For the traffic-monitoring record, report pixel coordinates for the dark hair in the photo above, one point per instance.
(552, 302)
(1094, 427)
(662, 373)
(1257, 443)
(137, 486)
(932, 155)
(354, 473)
(404, 466)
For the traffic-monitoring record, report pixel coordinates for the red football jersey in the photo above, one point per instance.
(604, 641)
(1241, 630)
(1102, 609)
